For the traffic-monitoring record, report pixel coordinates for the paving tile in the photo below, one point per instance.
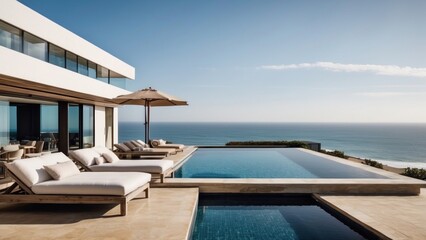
(398, 217)
(167, 214)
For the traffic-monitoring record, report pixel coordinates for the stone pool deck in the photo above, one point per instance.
(180, 157)
(396, 217)
(167, 214)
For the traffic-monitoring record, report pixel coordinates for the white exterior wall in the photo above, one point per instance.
(28, 20)
(100, 126)
(21, 66)
(115, 125)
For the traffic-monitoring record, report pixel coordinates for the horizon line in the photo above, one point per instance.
(273, 122)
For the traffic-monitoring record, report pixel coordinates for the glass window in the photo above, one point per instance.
(82, 66)
(35, 47)
(117, 80)
(56, 55)
(13, 121)
(10, 37)
(49, 126)
(92, 70)
(87, 126)
(71, 62)
(49, 118)
(74, 126)
(4, 123)
(102, 74)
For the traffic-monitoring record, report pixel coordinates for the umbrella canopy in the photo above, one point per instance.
(149, 97)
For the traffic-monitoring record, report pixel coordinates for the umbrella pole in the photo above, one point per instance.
(149, 120)
(145, 124)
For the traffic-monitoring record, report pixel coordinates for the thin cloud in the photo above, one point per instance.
(388, 94)
(388, 70)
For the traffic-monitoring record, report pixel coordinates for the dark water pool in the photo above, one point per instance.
(269, 217)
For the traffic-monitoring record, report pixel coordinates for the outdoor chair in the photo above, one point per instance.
(54, 178)
(11, 153)
(31, 143)
(28, 146)
(101, 159)
(37, 151)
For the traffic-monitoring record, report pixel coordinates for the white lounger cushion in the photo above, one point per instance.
(150, 166)
(101, 150)
(100, 160)
(62, 170)
(110, 157)
(31, 171)
(86, 156)
(160, 143)
(94, 183)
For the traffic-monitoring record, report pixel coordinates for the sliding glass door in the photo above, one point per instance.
(74, 126)
(4, 123)
(80, 126)
(88, 126)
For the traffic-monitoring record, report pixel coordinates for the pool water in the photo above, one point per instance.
(265, 163)
(268, 217)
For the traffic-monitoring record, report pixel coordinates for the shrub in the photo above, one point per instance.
(293, 144)
(418, 173)
(336, 153)
(373, 163)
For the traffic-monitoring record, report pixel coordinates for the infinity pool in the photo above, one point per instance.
(265, 163)
(270, 217)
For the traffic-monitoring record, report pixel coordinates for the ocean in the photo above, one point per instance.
(404, 143)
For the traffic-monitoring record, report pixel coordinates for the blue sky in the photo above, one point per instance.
(264, 61)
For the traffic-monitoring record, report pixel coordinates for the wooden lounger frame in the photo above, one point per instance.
(26, 195)
(130, 155)
(168, 147)
(161, 176)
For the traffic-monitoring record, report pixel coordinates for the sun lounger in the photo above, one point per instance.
(123, 150)
(35, 183)
(90, 159)
(160, 143)
(137, 145)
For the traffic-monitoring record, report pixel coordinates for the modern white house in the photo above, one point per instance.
(54, 85)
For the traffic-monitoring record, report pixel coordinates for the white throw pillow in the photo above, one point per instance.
(162, 142)
(62, 170)
(110, 157)
(100, 160)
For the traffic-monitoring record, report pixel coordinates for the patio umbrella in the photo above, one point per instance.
(149, 97)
